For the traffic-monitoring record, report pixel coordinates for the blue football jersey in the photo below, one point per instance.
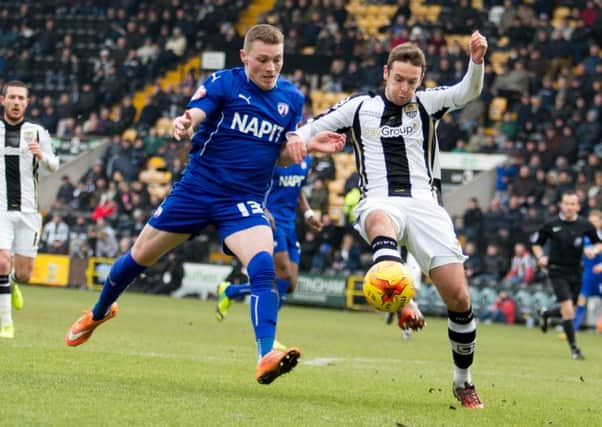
(588, 264)
(284, 192)
(235, 148)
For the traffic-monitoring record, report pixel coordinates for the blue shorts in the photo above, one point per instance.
(592, 285)
(188, 211)
(285, 240)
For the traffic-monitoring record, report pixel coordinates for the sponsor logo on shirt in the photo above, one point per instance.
(246, 98)
(262, 129)
(290, 180)
(391, 131)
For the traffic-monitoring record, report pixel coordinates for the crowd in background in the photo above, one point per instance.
(85, 60)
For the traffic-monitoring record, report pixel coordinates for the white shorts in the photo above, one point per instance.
(20, 232)
(423, 226)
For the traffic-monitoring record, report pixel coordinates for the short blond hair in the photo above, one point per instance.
(265, 32)
(407, 52)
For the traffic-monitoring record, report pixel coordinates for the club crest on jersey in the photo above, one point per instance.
(28, 136)
(411, 110)
(200, 93)
(282, 109)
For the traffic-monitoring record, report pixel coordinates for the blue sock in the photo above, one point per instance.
(235, 291)
(264, 301)
(282, 286)
(123, 272)
(579, 313)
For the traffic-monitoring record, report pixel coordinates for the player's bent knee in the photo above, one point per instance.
(457, 298)
(261, 271)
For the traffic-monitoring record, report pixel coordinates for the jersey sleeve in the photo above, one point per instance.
(210, 96)
(540, 237)
(439, 100)
(49, 160)
(308, 165)
(297, 114)
(592, 233)
(337, 118)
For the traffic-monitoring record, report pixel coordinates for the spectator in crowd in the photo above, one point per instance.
(106, 245)
(503, 310)
(472, 219)
(65, 193)
(522, 267)
(347, 258)
(318, 198)
(78, 234)
(55, 236)
(473, 266)
(494, 265)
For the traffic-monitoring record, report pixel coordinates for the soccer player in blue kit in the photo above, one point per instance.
(240, 118)
(282, 200)
(592, 272)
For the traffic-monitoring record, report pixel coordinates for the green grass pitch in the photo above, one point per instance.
(167, 362)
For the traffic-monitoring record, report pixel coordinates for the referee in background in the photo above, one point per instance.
(563, 262)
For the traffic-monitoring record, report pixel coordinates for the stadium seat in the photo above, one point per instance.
(156, 163)
(461, 39)
(524, 303)
(498, 58)
(336, 187)
(542, 299)
(487, 297)
(428, 299)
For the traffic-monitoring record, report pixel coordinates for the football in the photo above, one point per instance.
(388, 286)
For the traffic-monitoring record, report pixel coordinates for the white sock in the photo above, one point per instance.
(6, 317)
(462, 376)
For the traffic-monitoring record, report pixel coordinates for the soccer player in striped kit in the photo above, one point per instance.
(397, 156)
(24, 146)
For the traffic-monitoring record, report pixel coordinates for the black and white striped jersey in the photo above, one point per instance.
(396, 150)
(19, 168)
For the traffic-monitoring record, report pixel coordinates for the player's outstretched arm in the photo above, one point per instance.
(469, 88)
(296, 149)
(183, 126)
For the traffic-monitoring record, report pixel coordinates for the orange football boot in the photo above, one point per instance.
(83, 327)
(468, 396)
(276, 363)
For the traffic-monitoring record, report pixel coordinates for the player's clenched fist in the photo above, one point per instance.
(478, 47)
